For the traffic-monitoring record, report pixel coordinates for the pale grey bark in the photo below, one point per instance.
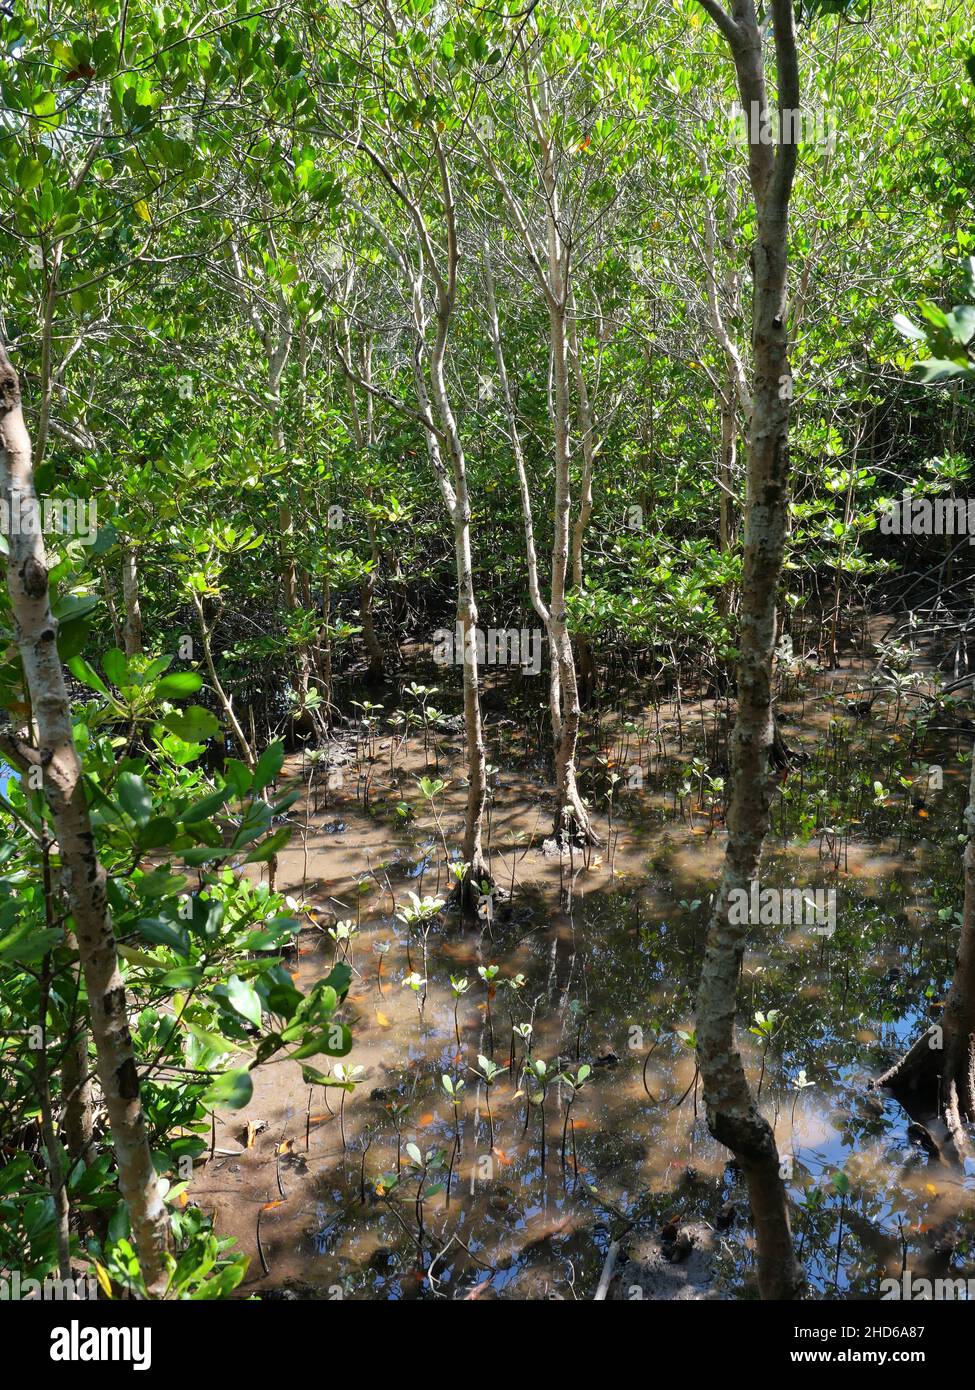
(733, 1115)
(548, 260)
(83, 875)
(132, 631)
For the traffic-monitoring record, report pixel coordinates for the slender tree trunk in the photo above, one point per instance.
(733, 1115)
(226, 704)
(587, 665)
(76, 1087)
(571, 816)
(117, 632)
(460, 513)
(83, 874)
(518, 453)
(363, 435)
(550, 268)
(132, 632)
(456, 495)
(367, 592)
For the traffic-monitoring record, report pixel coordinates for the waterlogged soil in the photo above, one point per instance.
(600, 952)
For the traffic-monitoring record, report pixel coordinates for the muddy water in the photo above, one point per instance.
(600, 954)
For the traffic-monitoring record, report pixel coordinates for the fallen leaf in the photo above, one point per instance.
(382, 1020)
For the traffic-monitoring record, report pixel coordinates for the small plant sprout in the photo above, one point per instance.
(381, 948)
(488, 1072)
(421, 913)
(430, 789)
(765, 1027)
(575, 1085)
(800, 1083)
(538, 1077)
(454, 1091)
(423, 1165)
(452, 1088)
(514, 985)
(420, 910)
(343, 934)
(459, 985)
(398, 1109)
(348, 1078)
(418, 984)
(488, 974)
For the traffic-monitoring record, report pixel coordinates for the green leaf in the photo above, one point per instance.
(243, 997)
(231, 1091)
(269, 847)
(159, 831)
(164, 934)
(29, 173)
(23, 945)
(115, 666)
(134, 797)
(908, 329)
(178, 685)
(193, 724)
(204, 808)
(268, 765)
(83, 673)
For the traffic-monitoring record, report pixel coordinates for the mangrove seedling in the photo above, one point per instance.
(459, 985)
(765, 1027)
(487, 1071)
(575, 1085)
(488, 974)
(348, 1078)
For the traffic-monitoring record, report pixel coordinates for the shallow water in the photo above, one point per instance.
(609, 945)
